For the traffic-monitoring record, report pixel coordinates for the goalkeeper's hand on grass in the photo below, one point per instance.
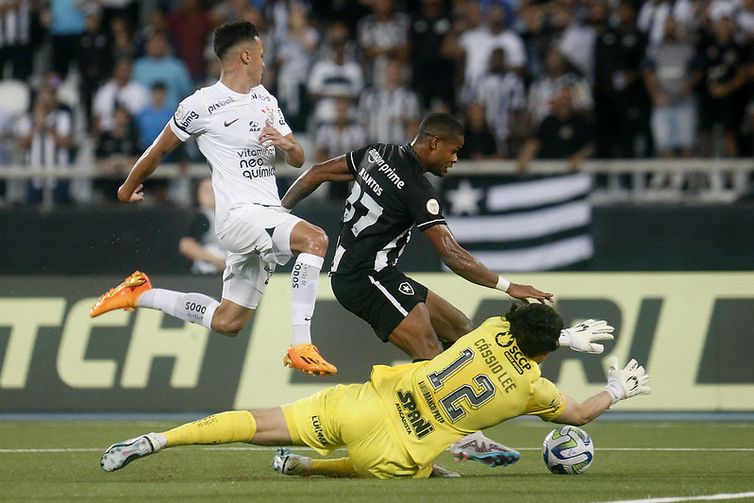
(583, 337)
(627, 382)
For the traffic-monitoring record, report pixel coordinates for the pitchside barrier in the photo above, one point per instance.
(692, 331)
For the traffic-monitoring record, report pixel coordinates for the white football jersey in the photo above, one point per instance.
(227, 125)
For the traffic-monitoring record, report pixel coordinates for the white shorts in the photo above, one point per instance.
(257, 239)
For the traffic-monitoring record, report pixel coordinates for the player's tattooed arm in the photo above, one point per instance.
(471, 269)
(166, 142)
(332, 170)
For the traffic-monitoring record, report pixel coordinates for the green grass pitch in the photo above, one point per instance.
(633, 460)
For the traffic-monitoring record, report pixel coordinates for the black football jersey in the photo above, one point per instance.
(389, 196)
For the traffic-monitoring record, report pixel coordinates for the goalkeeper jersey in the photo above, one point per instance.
(482, 380)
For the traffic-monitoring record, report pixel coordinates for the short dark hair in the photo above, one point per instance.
(536, 328)
(440, 125)
(229, 34)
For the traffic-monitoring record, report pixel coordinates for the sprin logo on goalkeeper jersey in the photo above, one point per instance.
(412, 419)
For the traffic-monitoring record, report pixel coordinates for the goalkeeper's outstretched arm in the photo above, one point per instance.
(621, 384)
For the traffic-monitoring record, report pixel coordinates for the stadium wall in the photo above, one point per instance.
(119, 239)
(692, 332)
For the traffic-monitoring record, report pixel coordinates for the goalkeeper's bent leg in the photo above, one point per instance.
(223, 428)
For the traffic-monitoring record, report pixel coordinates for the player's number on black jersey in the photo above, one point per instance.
(370, 210)
(454, 401)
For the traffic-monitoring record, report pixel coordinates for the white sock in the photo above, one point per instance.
(194, 307)
(304, 284)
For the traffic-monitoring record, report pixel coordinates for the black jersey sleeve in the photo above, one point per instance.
(354, 158)
(423, 204)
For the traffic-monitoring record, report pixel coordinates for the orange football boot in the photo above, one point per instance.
(123, 296)
(306, 358)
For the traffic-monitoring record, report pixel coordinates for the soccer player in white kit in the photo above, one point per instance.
(238, 127)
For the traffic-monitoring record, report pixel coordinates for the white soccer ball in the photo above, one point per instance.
(568, 450)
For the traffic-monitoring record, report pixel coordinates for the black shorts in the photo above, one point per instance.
(382, 299)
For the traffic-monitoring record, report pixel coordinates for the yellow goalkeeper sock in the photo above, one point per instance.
(338, 467)
(223, 428)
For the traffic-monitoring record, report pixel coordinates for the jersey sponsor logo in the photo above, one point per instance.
(254, 127)
(383, 167)
(255, 168)
(228, 123)
(219, 104)
(516, 358)
(429, 399)
(281, 120)
(497, 369)
(187, 117)
(405, 288)
(318, 432)
(260, 97)
(433, 207)
(412, 419)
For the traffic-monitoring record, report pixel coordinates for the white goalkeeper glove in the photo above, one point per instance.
(582, 337)
(626, 382)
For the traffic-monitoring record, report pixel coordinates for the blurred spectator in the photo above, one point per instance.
(562, 135)
(200, 245)
(116, 152)
(120, 90)
(654, 13)
(342, 135)
(557, 76)
(391, 111)
(159, 65)
(432, 68)
(335, 74)
(577, 40)
(157, 24)
(479, 142)
(66, 24)
(190, 27)
(255, 17)
(383, 35)
(124, 9)
(745, 22)
(670, 78)
(501, 91)
(477, 44)
(15, 39)
(228, 10)
(45, 136)
(151, 120)
(121, 39)
(621, 101)
(94, 59)
(295, 56)
(721, 95)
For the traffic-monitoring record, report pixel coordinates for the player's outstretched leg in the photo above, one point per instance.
(124, 296)
(477, 447)
(120, 454)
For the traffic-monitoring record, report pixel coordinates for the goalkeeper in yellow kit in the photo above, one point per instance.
(399, 421)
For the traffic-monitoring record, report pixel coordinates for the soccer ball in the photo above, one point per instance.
(568, 450)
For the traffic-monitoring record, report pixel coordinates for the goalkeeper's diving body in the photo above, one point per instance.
(399, 421)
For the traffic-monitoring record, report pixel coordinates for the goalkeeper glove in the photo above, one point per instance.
(582, 337)
(627, 382)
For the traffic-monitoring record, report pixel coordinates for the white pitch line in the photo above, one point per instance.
(672, 499)
(268, 448)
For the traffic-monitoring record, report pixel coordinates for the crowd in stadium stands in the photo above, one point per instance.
(553, 79)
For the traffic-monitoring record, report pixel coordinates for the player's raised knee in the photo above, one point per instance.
(227, 325)
(317, 242)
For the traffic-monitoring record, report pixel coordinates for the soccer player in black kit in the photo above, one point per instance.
(391, 195)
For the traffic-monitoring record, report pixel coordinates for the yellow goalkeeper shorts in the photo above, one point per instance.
(353, 416)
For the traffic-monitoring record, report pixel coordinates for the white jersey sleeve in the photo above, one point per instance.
(190, 118)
